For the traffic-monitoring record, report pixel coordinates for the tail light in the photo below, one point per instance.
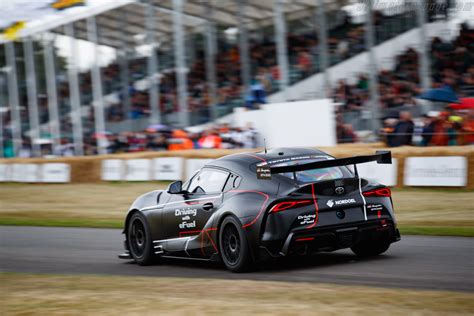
(378, 192)
(282, 206)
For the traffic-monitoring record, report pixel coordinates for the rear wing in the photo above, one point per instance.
(382, 157)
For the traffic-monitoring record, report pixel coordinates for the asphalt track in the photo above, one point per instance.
(437, 263)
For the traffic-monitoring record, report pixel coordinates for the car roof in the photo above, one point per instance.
(241, 162)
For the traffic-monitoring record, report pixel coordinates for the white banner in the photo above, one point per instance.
(27, 172)
(192, 165)
(56, 173)
(168, 168)
(435, 171)
(138, 170)
(5, 172)
(381, 173)
(112, 169)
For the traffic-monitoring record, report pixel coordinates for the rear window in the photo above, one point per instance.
(313, 175)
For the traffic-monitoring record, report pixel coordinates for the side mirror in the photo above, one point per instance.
(175, 187)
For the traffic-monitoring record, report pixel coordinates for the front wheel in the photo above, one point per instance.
(233, 246)
(370, 248)
(139, 240)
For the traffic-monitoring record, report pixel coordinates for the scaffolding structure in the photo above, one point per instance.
(164, 23)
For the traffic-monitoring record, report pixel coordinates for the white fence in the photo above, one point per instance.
(447, 171)
(32, 173)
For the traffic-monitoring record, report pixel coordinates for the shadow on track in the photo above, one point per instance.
(276, 265)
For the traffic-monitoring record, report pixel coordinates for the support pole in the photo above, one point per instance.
(1, 132)
(13, 97)
(243, 47)
(323, 48)
(152, 65)
(3, 109)
(98, 103)
(32, 93)
(373, 72)
(123, 67)
(74, 98)
(52, 93)
(210, 51)
(424, 62)
(180, 62)
(282, 49)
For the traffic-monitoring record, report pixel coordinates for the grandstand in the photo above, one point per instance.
(184, 63)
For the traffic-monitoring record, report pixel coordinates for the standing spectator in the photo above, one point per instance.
(468, 128)
(210, 140)
(403, 131)
(180, 141)
(428, 130)
(440, 137)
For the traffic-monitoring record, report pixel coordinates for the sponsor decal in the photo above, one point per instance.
(288, 159)
(11, 31)
(375, 207)
(331, 203)
(186, 217)
(307, 219)
(436, 171)
(264, 173)
(339, 190)
(66, 4)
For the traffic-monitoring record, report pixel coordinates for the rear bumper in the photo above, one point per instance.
(332, 237)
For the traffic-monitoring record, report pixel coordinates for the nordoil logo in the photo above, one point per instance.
(331, 203)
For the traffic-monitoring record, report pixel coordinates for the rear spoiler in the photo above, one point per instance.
(382, 157)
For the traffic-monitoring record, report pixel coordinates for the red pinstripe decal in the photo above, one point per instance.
(316, 208)
(189, 232)
(254, 156)
(212, 241)
(202, 232)
(261, 209)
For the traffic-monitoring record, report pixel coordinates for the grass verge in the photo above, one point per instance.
(24, 294)
(419, 211)
(437, 231)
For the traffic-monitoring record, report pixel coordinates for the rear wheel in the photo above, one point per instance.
(370, 248)
(234, 249)
(139, 240)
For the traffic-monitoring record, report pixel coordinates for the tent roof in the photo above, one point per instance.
(120, 21)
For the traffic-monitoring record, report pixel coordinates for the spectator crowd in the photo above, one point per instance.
(155, 138)
(452, 66)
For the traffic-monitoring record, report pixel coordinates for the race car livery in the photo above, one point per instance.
(244, 208)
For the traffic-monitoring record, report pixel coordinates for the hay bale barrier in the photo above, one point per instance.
(88, 169)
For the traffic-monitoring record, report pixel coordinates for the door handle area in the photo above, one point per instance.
(208, 206)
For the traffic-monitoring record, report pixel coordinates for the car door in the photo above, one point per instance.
(187, 213)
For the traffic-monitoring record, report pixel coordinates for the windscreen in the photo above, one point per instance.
(314, 175)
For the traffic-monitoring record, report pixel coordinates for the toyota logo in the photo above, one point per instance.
(339, 190)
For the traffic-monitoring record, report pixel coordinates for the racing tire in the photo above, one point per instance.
(233, 246)
(370, 248)
(140, 243)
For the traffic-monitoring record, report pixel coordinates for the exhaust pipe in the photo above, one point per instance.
(302, 250)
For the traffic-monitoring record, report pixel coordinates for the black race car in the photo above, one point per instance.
(247, 207)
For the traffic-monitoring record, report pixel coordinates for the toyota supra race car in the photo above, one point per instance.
(244, 208)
